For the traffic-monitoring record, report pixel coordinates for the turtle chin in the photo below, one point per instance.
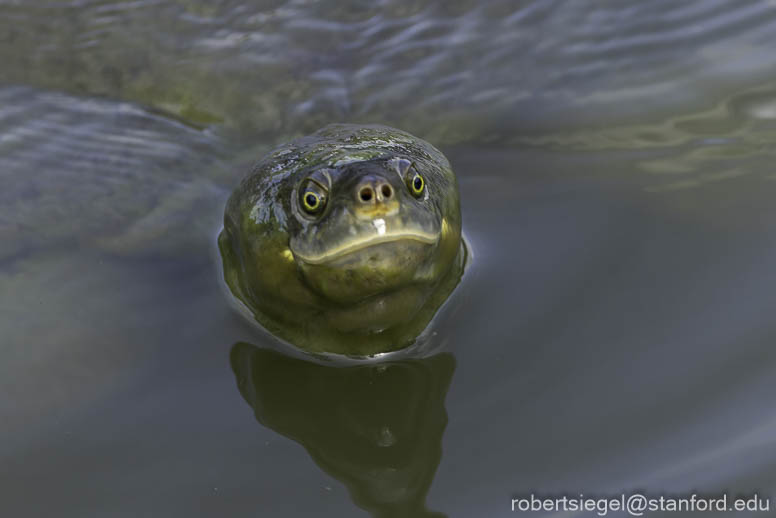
(370, 270)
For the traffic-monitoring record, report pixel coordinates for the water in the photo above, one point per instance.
(614, 332)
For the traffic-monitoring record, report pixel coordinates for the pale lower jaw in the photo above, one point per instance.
(360, 245)
(371, 270)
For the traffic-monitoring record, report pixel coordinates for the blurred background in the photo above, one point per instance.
(613, 333)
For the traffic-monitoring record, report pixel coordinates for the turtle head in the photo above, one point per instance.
(371, 227)
(354, 231)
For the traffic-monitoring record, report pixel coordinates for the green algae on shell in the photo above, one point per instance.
(346, 241)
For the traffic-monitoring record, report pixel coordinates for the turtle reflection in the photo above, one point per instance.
(377, 428)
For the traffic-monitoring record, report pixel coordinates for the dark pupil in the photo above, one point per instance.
(417, 183)
(311, 200)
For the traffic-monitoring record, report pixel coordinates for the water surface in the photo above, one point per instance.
(613, 333)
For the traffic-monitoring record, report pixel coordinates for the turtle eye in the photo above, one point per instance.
(415, 183)
(312, 199)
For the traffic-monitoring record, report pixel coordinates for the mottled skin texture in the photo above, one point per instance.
(365, 272)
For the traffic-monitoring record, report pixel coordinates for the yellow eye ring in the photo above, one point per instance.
(417, 184)
(311, 201)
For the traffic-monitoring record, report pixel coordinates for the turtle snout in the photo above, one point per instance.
(375, 196)
(373, 190)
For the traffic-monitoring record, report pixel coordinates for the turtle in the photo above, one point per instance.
(345, 241)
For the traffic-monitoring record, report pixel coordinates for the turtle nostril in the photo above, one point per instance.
(386, 190)
(366, 194)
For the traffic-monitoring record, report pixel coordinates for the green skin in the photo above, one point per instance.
(365, 270)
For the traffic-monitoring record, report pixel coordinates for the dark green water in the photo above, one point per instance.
(613, 333)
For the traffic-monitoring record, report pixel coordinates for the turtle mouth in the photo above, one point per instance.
(359, 244)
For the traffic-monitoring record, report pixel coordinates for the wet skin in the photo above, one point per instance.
(346, 241)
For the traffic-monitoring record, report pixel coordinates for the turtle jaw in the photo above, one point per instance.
(370, 266)
(355, 246)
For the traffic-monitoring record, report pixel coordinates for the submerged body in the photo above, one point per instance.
(346, 241)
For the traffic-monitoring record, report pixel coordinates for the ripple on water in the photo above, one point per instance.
(84, 170)
(449, 71)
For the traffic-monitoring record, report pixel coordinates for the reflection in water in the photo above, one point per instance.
(616, 164)
(730, 138)
(108, 175)
(377, 428)
(457, 71)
